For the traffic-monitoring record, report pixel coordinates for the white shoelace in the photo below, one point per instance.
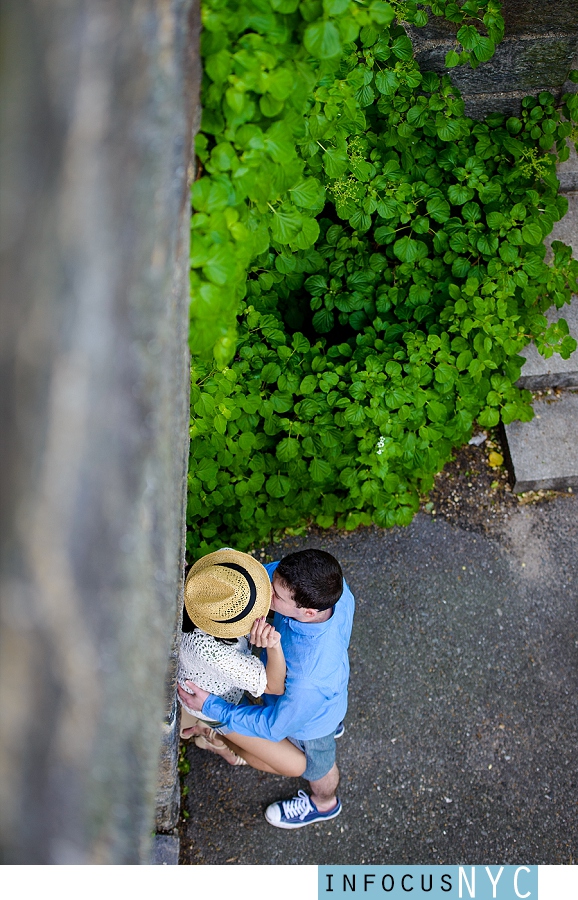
(298, 807)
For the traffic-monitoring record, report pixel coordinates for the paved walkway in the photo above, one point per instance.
(462, 731)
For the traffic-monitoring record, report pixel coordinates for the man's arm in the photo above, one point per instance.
(287, 715)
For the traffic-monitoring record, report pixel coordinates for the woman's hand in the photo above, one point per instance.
(264, 635)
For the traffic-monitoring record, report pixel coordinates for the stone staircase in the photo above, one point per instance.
(543, 453)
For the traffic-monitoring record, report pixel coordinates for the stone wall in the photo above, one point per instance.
(540, 47)
(99, 100)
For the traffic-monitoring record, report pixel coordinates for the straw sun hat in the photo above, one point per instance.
(225, 592)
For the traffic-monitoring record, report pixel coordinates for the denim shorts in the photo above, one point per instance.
(320, 756)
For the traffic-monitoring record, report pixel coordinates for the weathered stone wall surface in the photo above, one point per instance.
(98, 107)
(540, 47)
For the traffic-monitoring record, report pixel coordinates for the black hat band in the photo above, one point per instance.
(252, 593)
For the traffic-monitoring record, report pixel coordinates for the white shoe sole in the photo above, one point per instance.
(291, 825)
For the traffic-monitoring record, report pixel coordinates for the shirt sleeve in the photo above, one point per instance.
(279, 719)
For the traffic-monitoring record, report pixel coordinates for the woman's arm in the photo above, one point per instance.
(276, 670)
(264, 635)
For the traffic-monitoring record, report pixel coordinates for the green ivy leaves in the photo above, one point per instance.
(409, 250)
(367, 264)
(322, 39)
(267, 69)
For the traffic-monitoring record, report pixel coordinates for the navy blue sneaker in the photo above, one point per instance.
(297, 812)
(339, 730)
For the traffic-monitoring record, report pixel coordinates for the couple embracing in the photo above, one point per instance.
(300, 678)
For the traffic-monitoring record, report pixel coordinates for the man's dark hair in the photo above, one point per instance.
(313, 576)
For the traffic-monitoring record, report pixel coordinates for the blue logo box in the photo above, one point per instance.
(428, 882)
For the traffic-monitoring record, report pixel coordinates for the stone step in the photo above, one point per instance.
(543, 453)
(567, 171)
(538, 373)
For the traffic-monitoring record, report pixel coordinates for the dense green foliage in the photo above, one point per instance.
(380, 254)
(285, 89)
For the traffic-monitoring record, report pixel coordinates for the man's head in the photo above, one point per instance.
(307, 585)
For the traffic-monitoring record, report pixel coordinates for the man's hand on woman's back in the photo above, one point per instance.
(194, 697)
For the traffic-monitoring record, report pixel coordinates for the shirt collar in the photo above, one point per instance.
(310, 628)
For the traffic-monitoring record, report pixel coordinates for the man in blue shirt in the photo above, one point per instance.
(313, 609)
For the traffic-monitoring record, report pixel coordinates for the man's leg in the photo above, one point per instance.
(324, 790)
(323, 804)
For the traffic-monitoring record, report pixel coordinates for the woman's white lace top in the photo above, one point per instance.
(223, 669)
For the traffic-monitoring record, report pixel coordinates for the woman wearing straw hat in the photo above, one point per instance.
(227, 597)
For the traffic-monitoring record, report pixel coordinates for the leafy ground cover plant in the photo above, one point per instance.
(373, 258)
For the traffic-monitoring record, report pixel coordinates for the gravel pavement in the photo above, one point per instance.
(462, 731)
